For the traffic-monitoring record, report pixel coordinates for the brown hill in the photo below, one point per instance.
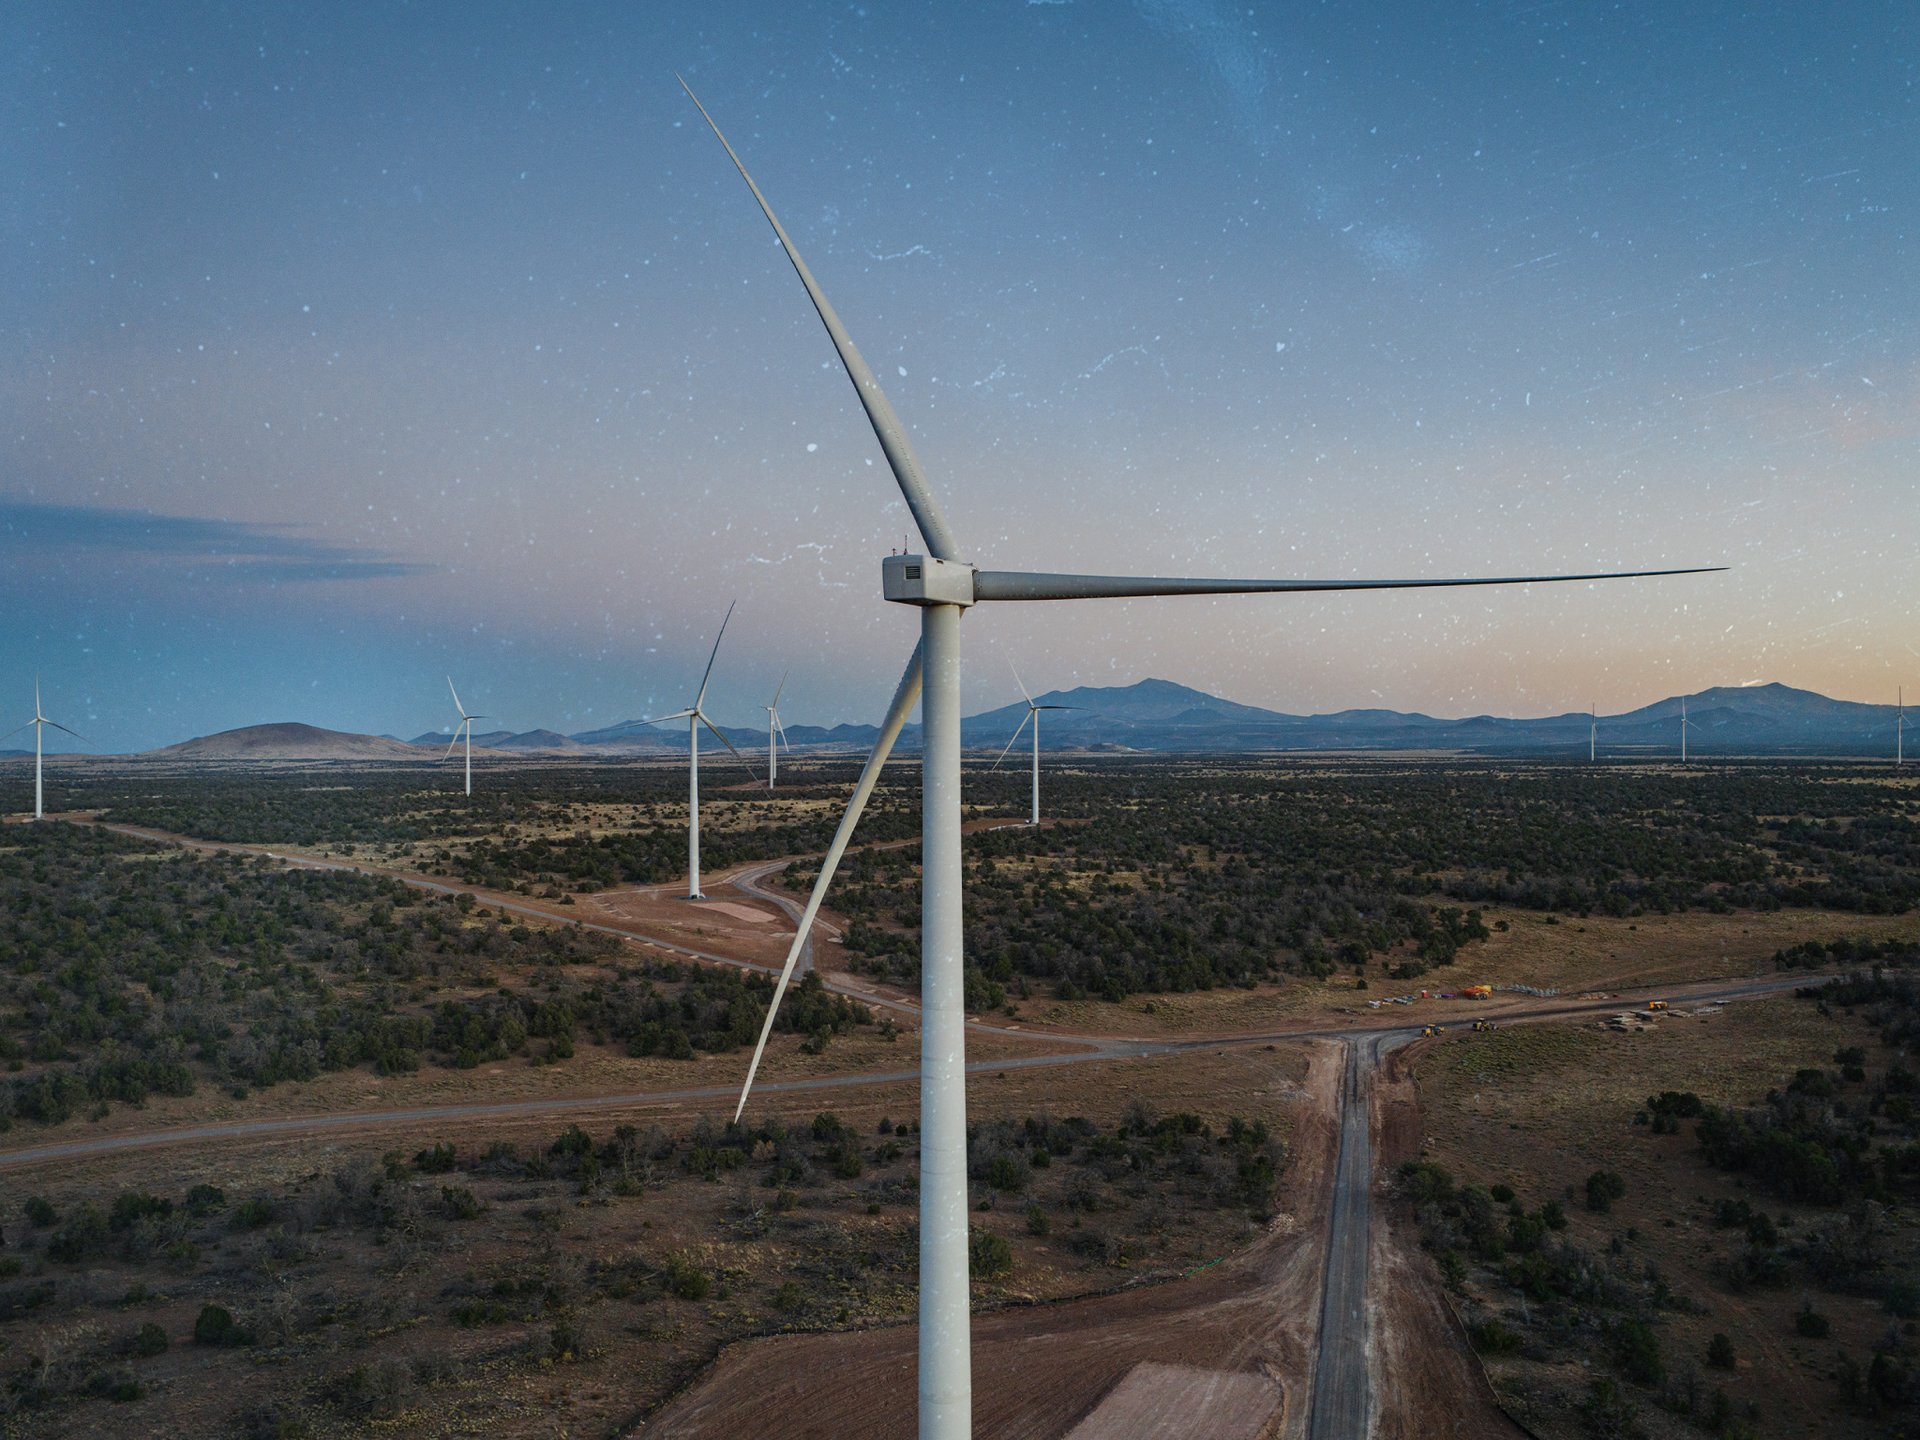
(289, 741)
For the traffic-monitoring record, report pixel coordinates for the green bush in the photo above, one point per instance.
(687, 1280)
(204, 1199)
(149, 1339)
(216, 1326)
(1603, 1188)
(989, 1256)
(83, 1236)
(1492, 1337)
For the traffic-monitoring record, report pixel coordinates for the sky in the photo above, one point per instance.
(355, 346)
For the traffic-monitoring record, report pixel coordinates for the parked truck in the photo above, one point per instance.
(1476, 992)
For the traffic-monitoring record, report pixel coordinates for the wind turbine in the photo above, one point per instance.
(463, 729)
(943, 586)
(695, 718)
(39, 724)
(1900, 729)
(1593, 732)
(775, 728)
(1033, 714)
(1685, 725)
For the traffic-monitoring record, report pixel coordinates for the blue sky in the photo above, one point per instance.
(357, 345)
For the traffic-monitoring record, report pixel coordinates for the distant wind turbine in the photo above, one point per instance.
(1033, 714)
(39, 724)
(1900, 729)
(942, 586)
(695, 718)
(775, 729)
(463, 730)
(1593, 732)
(1685, 725)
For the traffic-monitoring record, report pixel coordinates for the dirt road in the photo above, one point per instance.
(1342, 1373)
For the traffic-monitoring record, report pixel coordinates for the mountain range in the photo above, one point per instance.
(1161, 717)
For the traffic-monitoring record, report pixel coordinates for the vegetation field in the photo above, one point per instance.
(566, 1280)
(133, 972)
(1699, 1224)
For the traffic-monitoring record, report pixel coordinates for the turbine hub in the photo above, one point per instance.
(924, 580)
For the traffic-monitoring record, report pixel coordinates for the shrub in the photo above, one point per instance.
(1492, 1337)
(202, 1199)
(254, 1213)
(687, 1280)
(1811, 1323)
(135, 1206)
(1603, 1188)
(989, 1256)
(1636, 1351)
(82, 1236)
(1720, 1351)
(40, 1214)
(216, 1326)
(149, 1339)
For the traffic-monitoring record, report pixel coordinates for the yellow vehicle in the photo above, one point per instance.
(1476, 992)
(1431, 1031)
(1656, 1004)
(1483, 1024)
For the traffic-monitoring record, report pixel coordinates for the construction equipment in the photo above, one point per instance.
(1656, 1004)
(1431, 1031)
(1483, 1024)
(1476, 992)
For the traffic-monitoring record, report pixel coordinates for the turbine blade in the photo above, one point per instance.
(18, 728)
(58, 726)
(904, 699)
(1059, 707)
(451, 743)
(456, 697)
(697, 699)
(1021, 683)
(662, 719)
(781, 730)
(728, 743)
(886, 425)
(1015, 736)
(1025, 585)
(777, 689)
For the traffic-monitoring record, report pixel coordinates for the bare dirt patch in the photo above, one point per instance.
(1162, 1402)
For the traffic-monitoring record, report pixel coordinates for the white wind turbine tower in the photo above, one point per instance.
(1033, 714)
(942, 586)
(39, 724)
(775, 729)
(463, 730)
(695, 718)
(1900, 729)
(1593, 732)
(1685, 725)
